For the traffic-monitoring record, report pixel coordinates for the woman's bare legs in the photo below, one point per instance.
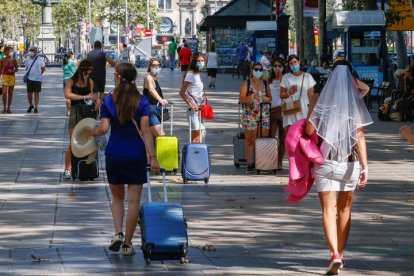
(344, 219)
(134, 200)
(117, 207)
(9, 97)
(250, 136)
(68, 156)
(329, 209)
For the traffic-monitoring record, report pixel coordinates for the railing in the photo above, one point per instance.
(51, 60)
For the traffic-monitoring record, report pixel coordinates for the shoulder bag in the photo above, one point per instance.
(26, 76)
(207, 112)
(294, 106)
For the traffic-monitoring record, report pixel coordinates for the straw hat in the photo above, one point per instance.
(83, 144)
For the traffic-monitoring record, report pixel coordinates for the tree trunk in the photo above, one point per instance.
(297, 12)
(323, 47)
(401, 50)
(309, 38)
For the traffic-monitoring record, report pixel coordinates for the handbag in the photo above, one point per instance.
(26, 76)
(206, 110)
(294, 106)
(87, 110)
(165, 113)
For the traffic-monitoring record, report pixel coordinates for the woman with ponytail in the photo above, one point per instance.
(126, 153)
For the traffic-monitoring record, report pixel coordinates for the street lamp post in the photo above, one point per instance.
(80, 24)
(24, 23)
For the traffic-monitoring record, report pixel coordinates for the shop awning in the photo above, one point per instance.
(346, 19)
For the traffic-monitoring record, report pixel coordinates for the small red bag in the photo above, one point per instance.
(206, 111)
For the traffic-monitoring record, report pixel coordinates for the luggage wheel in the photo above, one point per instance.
(185, 180)
(237, 165)
(175, 171)
(257, 171)
(148, 261)
(206, 180)
(182, 260)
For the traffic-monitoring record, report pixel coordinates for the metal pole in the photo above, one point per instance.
(148, 14)
(277, 29)
(126, 20)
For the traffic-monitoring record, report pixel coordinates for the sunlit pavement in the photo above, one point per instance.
(237, 224)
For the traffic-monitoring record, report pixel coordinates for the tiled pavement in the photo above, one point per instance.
(243, 217)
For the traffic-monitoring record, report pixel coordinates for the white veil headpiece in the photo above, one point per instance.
(338, 113)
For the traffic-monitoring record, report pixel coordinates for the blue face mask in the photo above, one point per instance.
(257, 74)
(156, 71)
(295, 68)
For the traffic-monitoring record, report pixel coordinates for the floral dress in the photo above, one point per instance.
(251, 112)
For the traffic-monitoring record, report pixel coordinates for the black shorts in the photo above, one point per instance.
(212, 72)
(34, 86)
(184, 68)
(98, 86)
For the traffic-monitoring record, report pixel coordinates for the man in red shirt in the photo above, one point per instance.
(185, 58)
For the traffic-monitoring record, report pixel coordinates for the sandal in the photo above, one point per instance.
(9, 111)
(3, 111)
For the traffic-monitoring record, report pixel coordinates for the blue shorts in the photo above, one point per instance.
(153, 118)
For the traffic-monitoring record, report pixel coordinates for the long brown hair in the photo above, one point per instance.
(126, 95)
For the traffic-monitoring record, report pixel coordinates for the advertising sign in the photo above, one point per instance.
(310, 8)
(403, 9)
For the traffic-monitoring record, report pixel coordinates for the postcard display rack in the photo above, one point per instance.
(227, 40)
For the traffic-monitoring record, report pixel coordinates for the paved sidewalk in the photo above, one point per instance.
(241, 218)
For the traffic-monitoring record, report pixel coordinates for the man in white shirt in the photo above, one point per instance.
(35, 67)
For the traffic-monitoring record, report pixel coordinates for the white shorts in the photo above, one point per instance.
(337, 176)
(193, 119)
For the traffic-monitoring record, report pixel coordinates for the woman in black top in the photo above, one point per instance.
(153, 92)
(77, 89)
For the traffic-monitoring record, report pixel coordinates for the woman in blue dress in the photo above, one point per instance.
(126, 152)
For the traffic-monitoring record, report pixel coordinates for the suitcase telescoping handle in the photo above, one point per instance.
(164, 184)
(261, 118)
(239, 120)
(171, 118)
(199, 120)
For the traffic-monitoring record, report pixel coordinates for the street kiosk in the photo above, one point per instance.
(364, 43)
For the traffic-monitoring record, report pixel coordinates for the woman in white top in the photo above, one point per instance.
(276, 119)
(265, 61)
(294, 86)
(192, 92)
(212, 66)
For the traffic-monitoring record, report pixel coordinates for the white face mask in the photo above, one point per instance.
(200, 65)
(31, 54)
(156, 71)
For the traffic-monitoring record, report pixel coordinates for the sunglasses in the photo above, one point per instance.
(258, 69)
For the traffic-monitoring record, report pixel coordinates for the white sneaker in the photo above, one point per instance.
(116, 242)
(67, 174)
(128, 249)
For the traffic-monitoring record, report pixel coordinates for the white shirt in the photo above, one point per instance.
(195, 89)
(287, 81)
(275, 91)
(265, 63)
(212, 60)
(36, 71)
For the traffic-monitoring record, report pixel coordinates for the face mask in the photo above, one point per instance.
(257, 74)
(200, 65)
(295, 68)
(10, 54)
(85, 76)
(155, 71)
(31, 54)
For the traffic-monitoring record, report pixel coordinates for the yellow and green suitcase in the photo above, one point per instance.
(167, 148)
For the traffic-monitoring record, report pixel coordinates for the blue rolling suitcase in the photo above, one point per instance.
(196, 161)
(163, 228)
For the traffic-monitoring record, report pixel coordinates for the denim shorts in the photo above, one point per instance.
(337, 176)
(153, 118)
(193, 119)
